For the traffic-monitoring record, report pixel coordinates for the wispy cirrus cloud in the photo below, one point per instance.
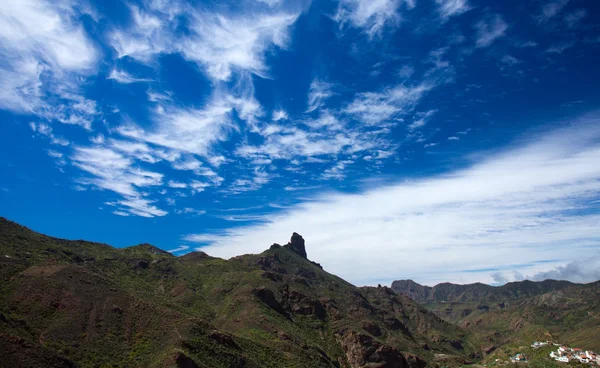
(123, 77)
(449, 8)
(489, 29)
(380, 108)
(371, 15)
(534, 199)
(109, 169)
(551, 9)
(46, 53)
(221, 43)
(318, 93)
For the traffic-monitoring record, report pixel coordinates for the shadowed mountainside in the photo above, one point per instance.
(76, 303)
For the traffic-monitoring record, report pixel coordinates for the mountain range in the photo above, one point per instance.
(82, 304)
(66, 303)
(515, 313)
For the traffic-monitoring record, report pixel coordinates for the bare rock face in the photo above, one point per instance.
(371, 328)
(268, 298)
(296, 245)
(301, 304)
(363, 351)
(415, 362)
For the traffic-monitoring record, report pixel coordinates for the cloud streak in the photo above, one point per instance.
(532, 200)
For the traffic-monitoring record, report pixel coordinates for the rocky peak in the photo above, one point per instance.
(296, 245)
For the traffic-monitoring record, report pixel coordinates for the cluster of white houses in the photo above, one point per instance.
(566, 354)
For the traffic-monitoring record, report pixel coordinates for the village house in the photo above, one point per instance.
(566, 354)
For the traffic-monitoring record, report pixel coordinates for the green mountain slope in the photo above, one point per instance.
(448, 292)
(76, 303)
(503, 319)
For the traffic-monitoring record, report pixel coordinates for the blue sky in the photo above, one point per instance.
(438, 140)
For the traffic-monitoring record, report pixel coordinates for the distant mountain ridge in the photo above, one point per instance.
(478, 292)
(516, 313)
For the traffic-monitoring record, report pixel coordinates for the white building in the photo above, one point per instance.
(562, 359)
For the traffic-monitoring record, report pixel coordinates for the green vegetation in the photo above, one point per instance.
(75, 303)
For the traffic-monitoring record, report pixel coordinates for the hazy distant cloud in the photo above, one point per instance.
(510, 60)
(499, 278)
(584, 270)
(572, 19)
(489, 30)
(551, 9)
(560, 47)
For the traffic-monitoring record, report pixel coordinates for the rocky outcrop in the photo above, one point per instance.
(372, 328)
(301, 304)
(363, 351)
(296, 245)
(268, 298)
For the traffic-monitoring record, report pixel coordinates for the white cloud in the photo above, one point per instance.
(109, 169)
(159, 97)
(259, 178)
(572, 19)
(380, 108)
(112, 170)
(336, 171)
(122, 76)
(422, 120)
(188, 130)
(560, 48)
(489, 30)
(406, 71)
(55, 154)
(147, 36)
(45, 54)
(448, 8)
(141, 207)
(279, 115)
(318, 93)
(224, 44)
(551, 9)
(46, 130)
(179, 249)
(510, 60)
(176, 184)
(290, 143)
(221, 43)
(370, 15)
(581, 271)
(526, 204)
(190, 211)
